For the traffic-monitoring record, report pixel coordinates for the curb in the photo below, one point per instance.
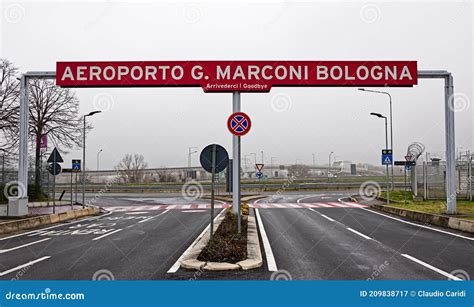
(43, 220)
(254, 256)
(438, 220)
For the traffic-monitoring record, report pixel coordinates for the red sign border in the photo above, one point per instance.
(230, 127)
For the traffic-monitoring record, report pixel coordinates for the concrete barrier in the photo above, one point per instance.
(44, 220)
(434, 219)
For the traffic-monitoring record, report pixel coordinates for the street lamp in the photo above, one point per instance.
(271, 165)
(84, 157)
(386, 147)
(98, 156)
(190, 152)
(391, 120)
(314, 163)
(262, 156)
(254, 155)
(329, 164)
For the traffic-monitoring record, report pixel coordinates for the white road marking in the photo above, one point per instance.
(271, 263)
(54, 226)
(422, 226)
(358, 233)
(107, 234)
(24, 265)
(177, 264)
(300, 199)
(327, 217)
(140, 212)
(152, 217)
(431, 267)
(193, 211)
(2, 251)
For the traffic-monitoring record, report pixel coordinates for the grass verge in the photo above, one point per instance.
(465, 208)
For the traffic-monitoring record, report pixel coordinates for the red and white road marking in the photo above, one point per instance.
(222, 206)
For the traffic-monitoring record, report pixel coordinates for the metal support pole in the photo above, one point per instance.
(236, 163)
(84, 164)
(449, 134)
(386, 147)
(213, 172)
(450, 146)
(72, 204)
(76, 190)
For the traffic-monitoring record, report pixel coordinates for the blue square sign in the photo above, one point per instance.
(387, 158)
(76, 165)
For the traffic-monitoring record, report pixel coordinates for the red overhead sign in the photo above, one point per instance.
(229, 76)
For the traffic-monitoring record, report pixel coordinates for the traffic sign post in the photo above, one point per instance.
(55, 169)
(214, 159)
(259, 175)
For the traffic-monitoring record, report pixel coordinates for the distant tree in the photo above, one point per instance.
(9, 107)
(298, 170)
(54, 111)
(131, 168)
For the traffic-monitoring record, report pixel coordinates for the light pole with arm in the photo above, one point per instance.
(329, 163)
(98, 157)
(386, 147)
(391, 122)
(84, 157)
(190, 152)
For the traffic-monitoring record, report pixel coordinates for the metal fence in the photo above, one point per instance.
(429, 179)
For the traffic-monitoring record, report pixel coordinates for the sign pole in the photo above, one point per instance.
(76, 189)
(213, 163)
(72, 204)
(54, 185)
(236, 163)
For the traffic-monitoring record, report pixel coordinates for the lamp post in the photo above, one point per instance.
(386, 147)
(254, 155)
(271, 165)
(262, 156)
(314, 164)
(391, 122)
(329, 164)
(84, 157)
(190, 152)
(98, 157)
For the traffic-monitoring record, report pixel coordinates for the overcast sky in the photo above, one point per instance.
(288, 123)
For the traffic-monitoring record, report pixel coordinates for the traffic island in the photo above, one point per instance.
(228, 250)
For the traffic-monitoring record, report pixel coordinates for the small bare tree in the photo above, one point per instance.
(54, 111)
(131, 168)
(9, 107)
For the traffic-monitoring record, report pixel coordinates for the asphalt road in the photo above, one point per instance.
(131, 244)
(306, 236)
